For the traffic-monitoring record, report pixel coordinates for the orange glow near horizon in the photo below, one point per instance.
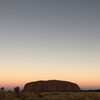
(82, 85)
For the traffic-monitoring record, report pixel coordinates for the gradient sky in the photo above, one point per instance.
(50, 39)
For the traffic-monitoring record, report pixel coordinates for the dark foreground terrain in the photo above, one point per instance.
(4, 95)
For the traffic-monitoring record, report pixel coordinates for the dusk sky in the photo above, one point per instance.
(50, 39)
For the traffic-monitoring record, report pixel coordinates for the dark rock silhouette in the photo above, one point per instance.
(51, 86)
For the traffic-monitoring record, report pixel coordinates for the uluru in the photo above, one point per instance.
(51, 86)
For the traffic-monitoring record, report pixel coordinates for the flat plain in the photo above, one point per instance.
(11, 95)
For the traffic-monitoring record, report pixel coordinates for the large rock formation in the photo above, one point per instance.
(50, 86)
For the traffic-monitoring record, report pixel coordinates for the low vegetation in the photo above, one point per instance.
(13, 95)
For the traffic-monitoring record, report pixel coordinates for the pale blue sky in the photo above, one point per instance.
(50, 39)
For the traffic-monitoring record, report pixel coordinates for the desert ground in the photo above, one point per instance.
(12, 95)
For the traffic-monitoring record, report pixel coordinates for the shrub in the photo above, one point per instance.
(17, 89)
(2, 88)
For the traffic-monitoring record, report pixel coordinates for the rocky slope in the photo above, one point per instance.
(51, 85)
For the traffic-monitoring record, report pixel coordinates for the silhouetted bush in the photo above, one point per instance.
(9, 90)
(2, 88)
(16, 89)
